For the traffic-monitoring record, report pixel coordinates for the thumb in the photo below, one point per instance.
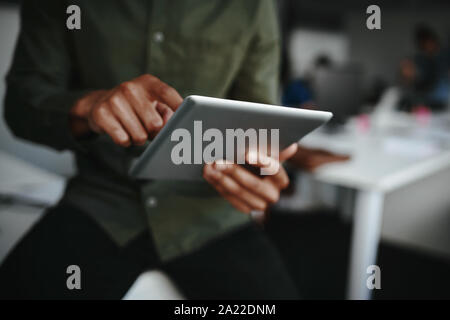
(288, 152)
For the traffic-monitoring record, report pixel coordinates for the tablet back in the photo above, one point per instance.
(204, 129)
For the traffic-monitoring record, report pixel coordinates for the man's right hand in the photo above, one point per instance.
(129, 113)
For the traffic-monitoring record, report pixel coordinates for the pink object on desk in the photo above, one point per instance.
(422, 114)
(363, 123)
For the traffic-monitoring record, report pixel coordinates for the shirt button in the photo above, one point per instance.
(158, 37)
(151, 202)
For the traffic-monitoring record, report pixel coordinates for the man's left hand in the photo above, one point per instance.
(244, 190)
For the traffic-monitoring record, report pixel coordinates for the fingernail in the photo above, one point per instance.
(122, 136)
(157, 122)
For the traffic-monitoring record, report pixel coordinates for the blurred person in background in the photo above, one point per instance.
(425, 77)
(299, 92)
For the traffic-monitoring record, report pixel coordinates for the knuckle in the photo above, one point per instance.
(163, 89)
(115, 108)
(254, 184)
(114, 100)
(260, 189)
(99, 113)
(234, 189)
(126, 87)
(151, 106)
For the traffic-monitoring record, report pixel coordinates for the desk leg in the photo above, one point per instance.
(365, 239)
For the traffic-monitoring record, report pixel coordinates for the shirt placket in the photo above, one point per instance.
(154, 66)
(156, 36)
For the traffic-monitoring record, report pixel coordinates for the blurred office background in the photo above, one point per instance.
(399, 145)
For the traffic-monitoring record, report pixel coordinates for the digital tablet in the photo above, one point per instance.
(205, 129)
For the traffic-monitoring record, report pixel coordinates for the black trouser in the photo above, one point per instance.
(240, 265)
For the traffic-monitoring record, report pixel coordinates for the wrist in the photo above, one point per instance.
(79, 113)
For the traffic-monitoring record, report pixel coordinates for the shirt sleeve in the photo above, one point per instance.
(258, 78)
(38, 98)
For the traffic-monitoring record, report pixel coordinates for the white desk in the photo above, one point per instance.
(382, 160)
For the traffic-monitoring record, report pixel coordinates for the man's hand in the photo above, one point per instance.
(129, 113)
(243, 189)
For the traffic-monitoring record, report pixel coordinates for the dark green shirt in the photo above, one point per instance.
(220, 48)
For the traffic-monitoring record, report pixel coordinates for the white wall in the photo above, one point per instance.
(306, 45)
(61, 163)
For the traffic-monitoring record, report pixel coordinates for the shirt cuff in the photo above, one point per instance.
(56, 117)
